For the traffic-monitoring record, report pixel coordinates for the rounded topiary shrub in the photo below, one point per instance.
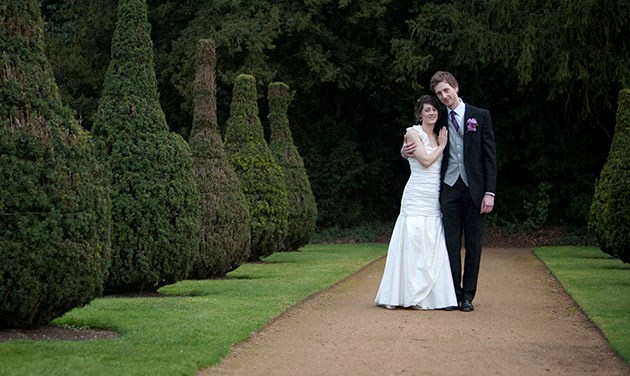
(302, 207)
(610, 210)
(225, 230)
(261, 177)
(155, 202)
(54, 206)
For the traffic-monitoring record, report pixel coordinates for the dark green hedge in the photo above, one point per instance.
(610, 209)
(226, 230)
(302, 207)
(155, 202)
(261, 177)
(55, 205)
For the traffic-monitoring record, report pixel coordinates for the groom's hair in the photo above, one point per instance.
(440, 76)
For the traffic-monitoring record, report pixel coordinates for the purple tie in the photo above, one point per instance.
(454, 121)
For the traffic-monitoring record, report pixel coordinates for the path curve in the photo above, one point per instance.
(523, 324)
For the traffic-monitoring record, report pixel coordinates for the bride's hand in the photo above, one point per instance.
(443, 136)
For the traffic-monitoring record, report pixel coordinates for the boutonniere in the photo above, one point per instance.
(471, 125)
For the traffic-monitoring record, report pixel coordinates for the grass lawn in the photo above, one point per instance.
(194, 325)
(599, 284)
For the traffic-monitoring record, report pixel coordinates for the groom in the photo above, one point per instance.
(468, 176)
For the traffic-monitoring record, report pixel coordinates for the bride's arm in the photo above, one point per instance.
(420, 153)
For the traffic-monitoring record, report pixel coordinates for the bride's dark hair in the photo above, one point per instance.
(425, 99)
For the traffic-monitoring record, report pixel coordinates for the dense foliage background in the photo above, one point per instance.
(549, 71)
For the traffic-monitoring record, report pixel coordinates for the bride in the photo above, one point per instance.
(417, 272)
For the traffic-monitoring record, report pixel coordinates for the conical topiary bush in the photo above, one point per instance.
(155, 202)
(54, 205)
(261, 177)
(302, 207)
(610, 209)
(225, 224)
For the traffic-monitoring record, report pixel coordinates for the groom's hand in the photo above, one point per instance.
(408, 149)
(487, 204)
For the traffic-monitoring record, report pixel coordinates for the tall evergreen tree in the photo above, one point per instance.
(54, 206)
(155, 202)
(302, 207)
(226, 229)
(261, 177)
(610, 209)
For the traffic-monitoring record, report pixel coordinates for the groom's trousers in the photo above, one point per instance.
(460, 216)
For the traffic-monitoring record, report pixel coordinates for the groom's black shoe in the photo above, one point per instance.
(467, 306)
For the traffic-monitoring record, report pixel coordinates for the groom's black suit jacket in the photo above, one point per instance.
(480, 160)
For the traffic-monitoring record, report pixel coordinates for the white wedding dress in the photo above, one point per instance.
(417, 271)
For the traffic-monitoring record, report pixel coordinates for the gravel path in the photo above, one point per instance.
(523, 324)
